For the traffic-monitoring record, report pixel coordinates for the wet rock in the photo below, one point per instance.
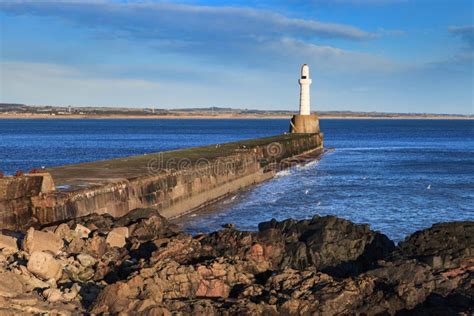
(36, 240)
(43, 265)
(8, 244)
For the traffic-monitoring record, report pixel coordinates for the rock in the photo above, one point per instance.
(146, 224)
(181, 248)
(336, 246)
(93, 221)
(64, 232)
(86, 260)
(11, 284)
(82, 231)
(443, 246)
(95, 246)
(138, 214)
(123, 231)
(53, 295)
(113, 299)
(116, 239)
(227, 242)
(322, 266)
(76, 245)
(43, 265)
(36, 240)
(8, 244)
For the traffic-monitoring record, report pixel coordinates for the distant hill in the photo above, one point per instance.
(13, 109)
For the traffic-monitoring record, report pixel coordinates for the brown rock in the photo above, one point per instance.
(36, 240)
(123, 231)
(256, 253)
(64, 232)
(113, 299)
(53, 295)
(115, 239)
(8, 244)
(43, 265)
(95, 246)
(213, 288)
(82, 231)
(10, 284)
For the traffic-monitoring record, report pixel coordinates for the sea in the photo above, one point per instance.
(399, 176)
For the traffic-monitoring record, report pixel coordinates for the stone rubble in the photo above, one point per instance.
(141, 264)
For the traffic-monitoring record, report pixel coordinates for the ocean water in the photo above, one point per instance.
(397, 175)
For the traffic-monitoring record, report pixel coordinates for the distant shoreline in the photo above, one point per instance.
(225, 116)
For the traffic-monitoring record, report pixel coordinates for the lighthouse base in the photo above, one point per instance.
(304, 124)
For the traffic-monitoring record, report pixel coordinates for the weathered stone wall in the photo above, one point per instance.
(174, 191)
(15, 196)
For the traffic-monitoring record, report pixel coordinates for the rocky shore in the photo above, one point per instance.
(141, 264)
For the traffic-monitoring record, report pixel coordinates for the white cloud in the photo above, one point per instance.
(168, 21)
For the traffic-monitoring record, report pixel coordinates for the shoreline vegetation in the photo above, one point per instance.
(20, 111)
(141, 263)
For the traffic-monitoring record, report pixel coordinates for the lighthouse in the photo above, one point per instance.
(305, 121)
(305, 83)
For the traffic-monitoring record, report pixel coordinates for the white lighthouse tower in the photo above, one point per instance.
(305, 83)
(305, 122)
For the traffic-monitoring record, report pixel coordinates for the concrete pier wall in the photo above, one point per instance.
(175, 182)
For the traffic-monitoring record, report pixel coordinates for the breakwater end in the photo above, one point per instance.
(174, 182)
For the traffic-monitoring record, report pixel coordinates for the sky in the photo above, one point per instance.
(364, 55)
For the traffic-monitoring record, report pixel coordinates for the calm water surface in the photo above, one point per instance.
(397, 175)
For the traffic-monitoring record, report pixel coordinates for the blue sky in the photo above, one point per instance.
(365, 55)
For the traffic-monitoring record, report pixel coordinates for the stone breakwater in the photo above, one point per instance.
(141, 264)
(175, 182)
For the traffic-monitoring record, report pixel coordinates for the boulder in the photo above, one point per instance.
(114, 298)
(82, 231)
(11, 284)
(96, 221)
(43, 265)
(64, 232)
(95, 246)
(86, 260)
(123, 231)
(443, 246)
(36, 240)
(116, 239)
(146, 224)
(8, 244)
(333, 245)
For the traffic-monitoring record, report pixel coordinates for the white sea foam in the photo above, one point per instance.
(308, 165)
(283, 173)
